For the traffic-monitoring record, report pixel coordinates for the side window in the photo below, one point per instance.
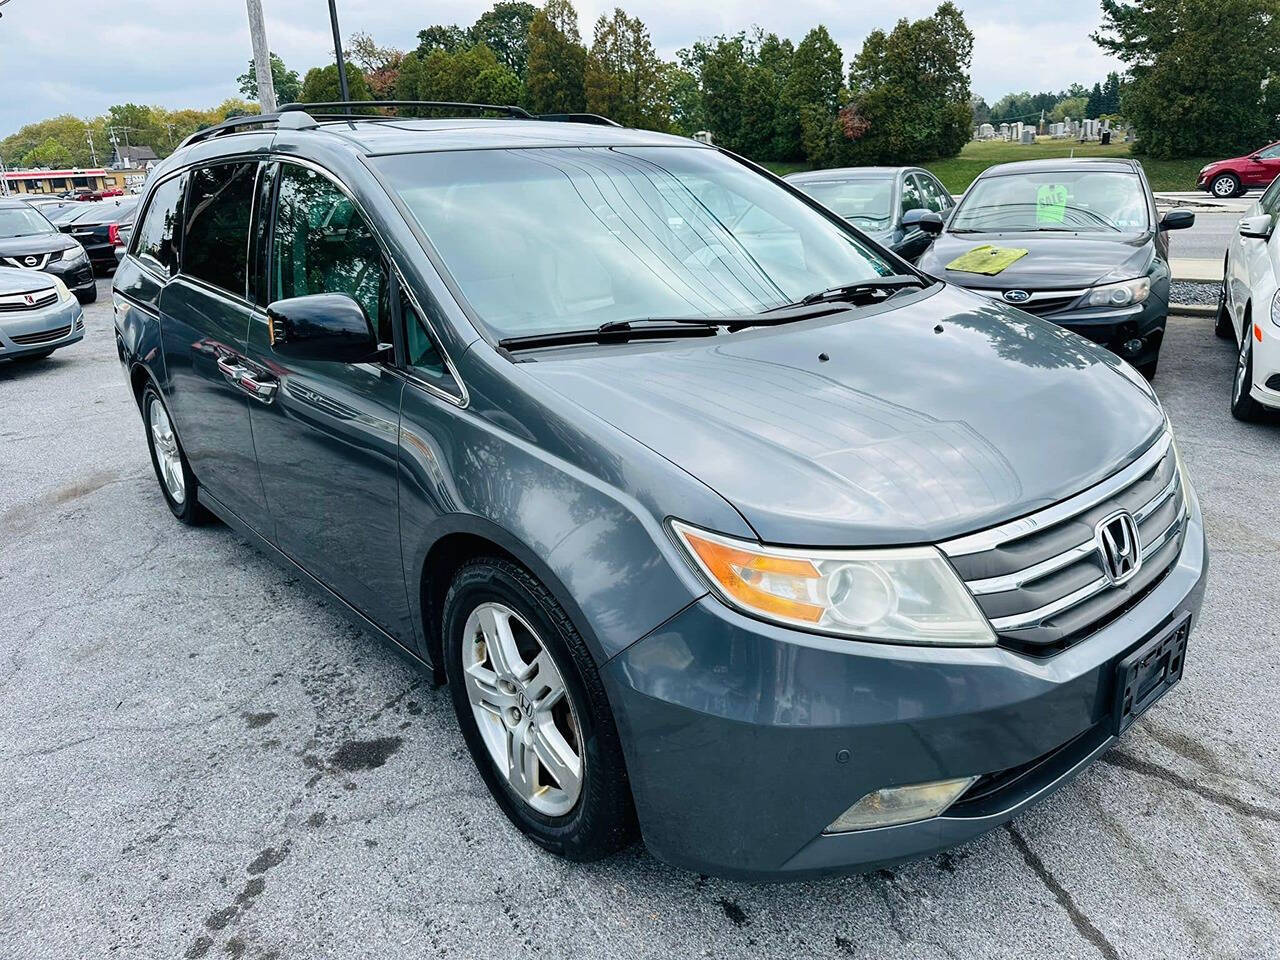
(911, 198)
(322, 244)
(215, 246)
(421, 350)
(1270, 153)
(935, 197)
(157, 242)
(1270, 201)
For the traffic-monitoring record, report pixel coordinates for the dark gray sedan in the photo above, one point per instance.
(885, 203)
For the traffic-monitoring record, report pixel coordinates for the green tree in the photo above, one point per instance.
(447, 38)
(504, 29)
(287, 83)
(724, 66)
(1093, 104)
(470, 75)
(910, 91)
(1111, 94)
(554, 74)
(381, 65)
(320, 85)
(51, 153)
(1204, 74)
(624, 77)
(409, 77)
(813, 82)
(1077, 108)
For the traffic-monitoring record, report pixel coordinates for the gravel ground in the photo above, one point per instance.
(200, 759)
(1191, 291)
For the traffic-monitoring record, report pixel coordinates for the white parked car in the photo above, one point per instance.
(1249, 307)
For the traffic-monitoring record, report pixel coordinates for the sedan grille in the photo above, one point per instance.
(1039, 302)
(1044, 580)
(44, 336)
(27, 301)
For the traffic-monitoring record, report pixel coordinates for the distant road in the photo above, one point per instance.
(1207, 239)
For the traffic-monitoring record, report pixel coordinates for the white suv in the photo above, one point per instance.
(1249, 307)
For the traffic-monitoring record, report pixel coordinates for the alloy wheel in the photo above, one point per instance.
(1224, 187)
(522, 708)
(1242, 366)
(167, 454)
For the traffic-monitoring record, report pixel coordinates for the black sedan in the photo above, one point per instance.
(101, 227)
(901, 208)
(30, 242)
(1078, 242)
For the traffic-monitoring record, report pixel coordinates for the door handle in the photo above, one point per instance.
(260, 386)
(228, 367)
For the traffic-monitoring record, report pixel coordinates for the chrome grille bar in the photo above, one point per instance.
(1020, 578)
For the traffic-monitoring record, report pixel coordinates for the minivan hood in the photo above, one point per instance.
(902, 435)
(1052, 261)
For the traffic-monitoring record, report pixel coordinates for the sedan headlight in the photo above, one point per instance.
(63, 293)
(899, 594)
(1275, 309)
(1120, 294)
(77, 255)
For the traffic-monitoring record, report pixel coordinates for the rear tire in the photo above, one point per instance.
(1243, 406)
(501, 685)
(178, 484)
(1224, 186)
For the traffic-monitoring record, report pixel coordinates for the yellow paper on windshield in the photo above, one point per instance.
(1051, 203)
(986, 259)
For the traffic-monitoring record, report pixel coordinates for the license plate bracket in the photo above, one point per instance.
(1146, 674)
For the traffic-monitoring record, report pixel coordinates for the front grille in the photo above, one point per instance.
(1048, 304)
(18, 302)
(45, 336)
(39, 260)
(1040, 579)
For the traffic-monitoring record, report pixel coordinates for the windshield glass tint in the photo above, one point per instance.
(22, 222)
(1078, 201)
(866, 202)
(568, 238)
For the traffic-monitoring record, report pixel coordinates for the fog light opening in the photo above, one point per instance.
(890, 806)
(1132, 347)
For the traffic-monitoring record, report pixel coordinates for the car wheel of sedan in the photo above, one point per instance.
(1243, 406)
(177, 482)
(1225, 185)
(534, 713)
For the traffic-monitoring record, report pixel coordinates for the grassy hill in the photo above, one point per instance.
(957, 173)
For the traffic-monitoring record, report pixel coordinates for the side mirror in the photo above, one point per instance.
(1177, 220)
(1257, 228)
(321, 326)
(921, 219)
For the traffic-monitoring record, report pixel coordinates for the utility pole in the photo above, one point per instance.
(337, 49)
(4, 181)
(93, 153)
(261, 57)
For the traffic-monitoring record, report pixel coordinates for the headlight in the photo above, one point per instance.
(1205, 168)
(79, 254)
(1275, 309)
(900, 595)
(63, 292)
(1120, 294)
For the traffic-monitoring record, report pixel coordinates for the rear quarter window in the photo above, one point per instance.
(156, 242)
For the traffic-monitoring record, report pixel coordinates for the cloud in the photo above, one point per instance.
(81, 56)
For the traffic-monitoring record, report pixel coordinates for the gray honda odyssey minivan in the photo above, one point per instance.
(724, 526)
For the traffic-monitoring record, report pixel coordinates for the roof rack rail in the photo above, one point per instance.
(579, 118)
(346, 105)
(229, 126)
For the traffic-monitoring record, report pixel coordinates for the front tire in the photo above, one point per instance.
(1243, 406)
(177, 483)
(88, 296)
(1225, 186)
(534, 713)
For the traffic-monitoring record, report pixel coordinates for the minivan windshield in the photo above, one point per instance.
(542, 240)
(1076, 201)
(866, 201)
(22, 222)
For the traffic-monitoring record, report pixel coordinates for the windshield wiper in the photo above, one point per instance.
(851, 291)
(621, 331)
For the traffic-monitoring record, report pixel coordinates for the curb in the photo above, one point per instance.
(1193, 309)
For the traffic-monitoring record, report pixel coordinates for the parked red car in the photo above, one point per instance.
(1231, 178)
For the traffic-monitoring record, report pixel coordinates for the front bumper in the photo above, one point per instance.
(1113, 329)
(745, 740)
(1266, 365)
(77, 275)
(39, 331)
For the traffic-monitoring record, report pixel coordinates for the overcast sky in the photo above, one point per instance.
(81, 56)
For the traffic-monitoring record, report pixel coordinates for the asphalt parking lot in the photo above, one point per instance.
(199, 758)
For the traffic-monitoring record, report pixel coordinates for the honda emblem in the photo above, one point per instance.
(1119, 546)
